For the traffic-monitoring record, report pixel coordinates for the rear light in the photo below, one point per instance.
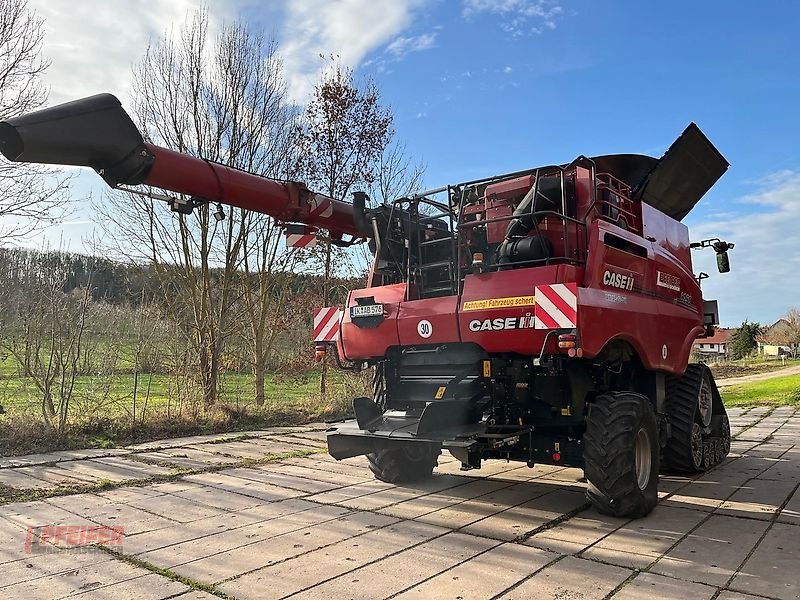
(567, 340)
(320, 351)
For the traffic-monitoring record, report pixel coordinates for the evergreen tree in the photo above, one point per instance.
(743, 341)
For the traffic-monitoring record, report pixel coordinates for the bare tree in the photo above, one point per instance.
(30, 195)
(341, 138)
(266, 282)
(397, 175)
(48, 342)
(221, 99)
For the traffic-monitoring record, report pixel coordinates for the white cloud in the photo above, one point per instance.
(92, 45)
(519, 17)
(507, 70)
(349, 29)
(403, 45)
(762, 282)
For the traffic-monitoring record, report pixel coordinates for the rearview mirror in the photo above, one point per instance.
(723, 262)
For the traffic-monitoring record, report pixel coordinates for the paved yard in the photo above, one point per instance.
(270, 515)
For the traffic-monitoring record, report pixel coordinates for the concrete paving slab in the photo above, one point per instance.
(34, 514)
(246, 487)
(216, 544)
(640, 542)
(217, 498)
(176, 508)
(12, 542)
(174, 457)
(282, 479)
(19, 479)
(728, 595)
(300, 440)
(56, 476)
(314, 461)
(244, 559)
(772, 570)
(130, 494)
(647, 586)
(570, 578)
(577, 533)
(103, 580)
(102, 471)
(145, 587)
(106, 512)
(307, 570)
(791, 512)
(320, 527)
(403, 570)
(484, 576)
(721, 543)
(38, 567)
(465, 513)
(440, 486)
(337, 479)
(268, 445)
(410, 505)
(29, 459)
(233, 451)
(510, 524)
(228, 521)
(759, 498)
(124, 463)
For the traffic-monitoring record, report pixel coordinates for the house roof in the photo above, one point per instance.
(777, 334)
(720, 337)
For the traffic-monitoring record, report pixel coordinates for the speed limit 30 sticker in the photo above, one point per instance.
(424, 328)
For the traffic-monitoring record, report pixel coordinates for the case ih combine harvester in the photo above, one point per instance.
(545, 316)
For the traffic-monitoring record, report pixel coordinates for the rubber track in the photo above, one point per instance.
(681, 403)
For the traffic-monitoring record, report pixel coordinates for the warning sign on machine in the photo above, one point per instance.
(510, 302)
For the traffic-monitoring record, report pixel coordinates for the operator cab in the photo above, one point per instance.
(536, 217)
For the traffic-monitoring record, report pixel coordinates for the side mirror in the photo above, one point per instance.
(723, 262)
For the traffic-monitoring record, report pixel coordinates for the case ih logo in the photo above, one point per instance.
(52, 538)
(618, 280)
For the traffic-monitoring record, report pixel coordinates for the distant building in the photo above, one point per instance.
(777, 340)
(714, 346)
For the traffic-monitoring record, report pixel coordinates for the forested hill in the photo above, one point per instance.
(111, 281)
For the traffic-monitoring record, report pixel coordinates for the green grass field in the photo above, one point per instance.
(780, 391)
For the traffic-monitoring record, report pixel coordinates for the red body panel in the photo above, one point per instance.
(500, 286)
(360, 343)
(440, 313)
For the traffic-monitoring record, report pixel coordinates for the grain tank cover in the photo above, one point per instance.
(690, 167)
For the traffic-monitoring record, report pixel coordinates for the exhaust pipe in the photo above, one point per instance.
(92, 132)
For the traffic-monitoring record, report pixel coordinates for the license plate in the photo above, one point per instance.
(366, 310)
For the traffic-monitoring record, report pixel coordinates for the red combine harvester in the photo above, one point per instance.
(544, 316)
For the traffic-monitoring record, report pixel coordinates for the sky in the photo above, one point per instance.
(480, 87)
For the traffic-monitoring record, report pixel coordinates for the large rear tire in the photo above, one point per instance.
(404, 463)
(621, 455)
(700, 432)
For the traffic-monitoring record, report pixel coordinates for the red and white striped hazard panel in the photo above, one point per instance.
(556, 306)
(300, 236)
(326, 324)
(320, 206)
